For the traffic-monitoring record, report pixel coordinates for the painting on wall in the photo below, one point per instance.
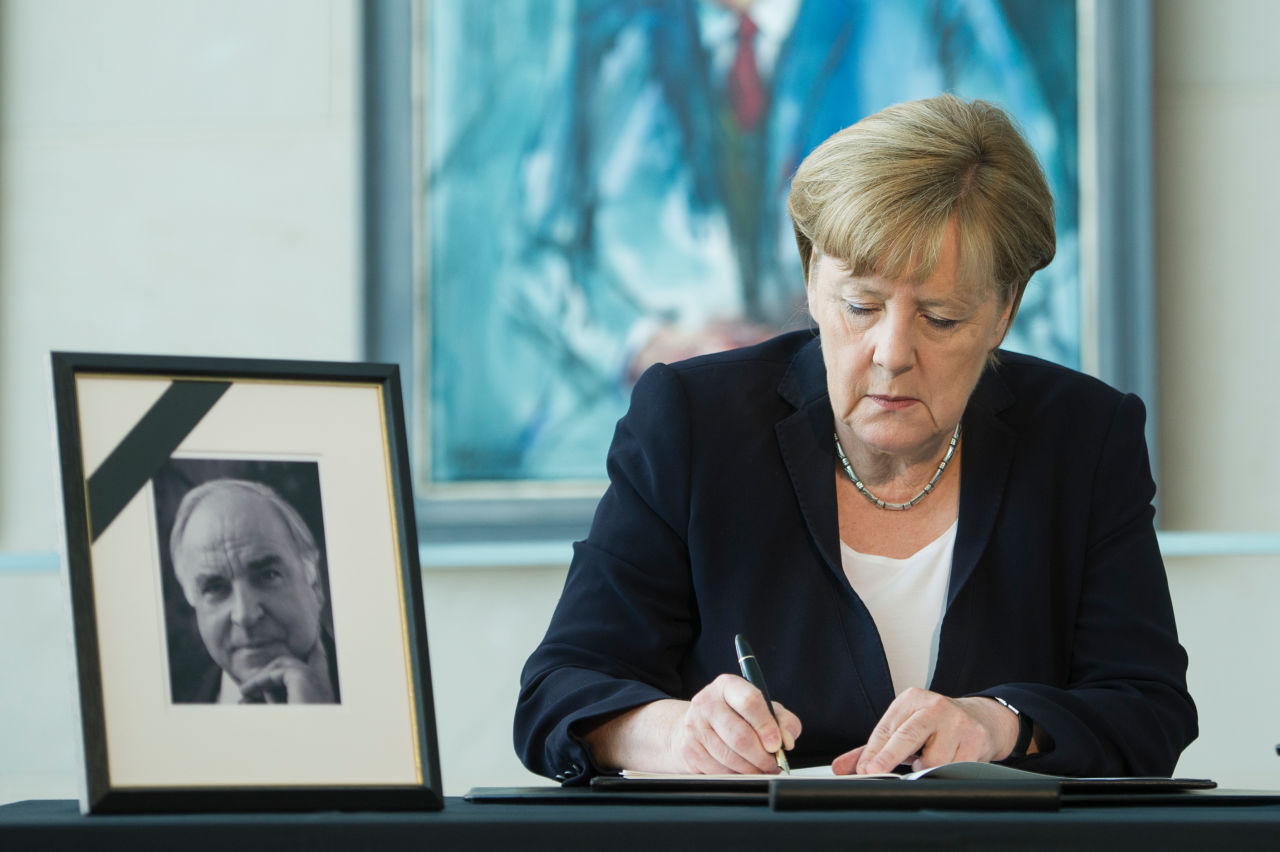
(604, 186)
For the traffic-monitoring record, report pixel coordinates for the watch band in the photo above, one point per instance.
(1025, 729)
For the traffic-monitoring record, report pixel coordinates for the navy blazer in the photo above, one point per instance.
(721, 518)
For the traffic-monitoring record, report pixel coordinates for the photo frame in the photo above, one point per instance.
(242, 561)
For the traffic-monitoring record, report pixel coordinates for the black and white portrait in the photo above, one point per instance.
(245, 582)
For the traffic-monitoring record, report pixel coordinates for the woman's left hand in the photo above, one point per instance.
(927, 729)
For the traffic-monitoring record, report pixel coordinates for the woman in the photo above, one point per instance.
(937, 553)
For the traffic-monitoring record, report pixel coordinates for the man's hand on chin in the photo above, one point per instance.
(288, 680)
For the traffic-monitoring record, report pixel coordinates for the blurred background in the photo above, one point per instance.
(184, 177)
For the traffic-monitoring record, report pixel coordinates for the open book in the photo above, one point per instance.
(960, 771)
(962, 785)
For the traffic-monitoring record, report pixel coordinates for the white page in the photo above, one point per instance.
(805, 772)
(961, 770)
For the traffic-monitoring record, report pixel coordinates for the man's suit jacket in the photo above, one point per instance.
(721, 518)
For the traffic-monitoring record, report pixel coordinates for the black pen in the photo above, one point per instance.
(751, 671)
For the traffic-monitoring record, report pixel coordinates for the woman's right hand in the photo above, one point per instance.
(726, 728)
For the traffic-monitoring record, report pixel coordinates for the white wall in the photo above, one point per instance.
(181, 176)
(174, 178)
(1217, 131)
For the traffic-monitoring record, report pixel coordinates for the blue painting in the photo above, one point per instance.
(606, 181)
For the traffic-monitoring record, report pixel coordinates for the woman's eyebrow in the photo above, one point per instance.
(862, 286)
(952, 301)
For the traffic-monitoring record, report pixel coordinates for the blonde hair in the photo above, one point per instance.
(879, 196)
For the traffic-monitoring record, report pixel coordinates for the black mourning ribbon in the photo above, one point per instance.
(147, 446)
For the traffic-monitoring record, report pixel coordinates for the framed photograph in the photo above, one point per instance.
(241, 554)
(624, 165)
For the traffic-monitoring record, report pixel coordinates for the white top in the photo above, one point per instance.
(907, 599)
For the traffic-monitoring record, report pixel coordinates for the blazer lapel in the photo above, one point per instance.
(988, 454)
(989, 446)
(805, 441)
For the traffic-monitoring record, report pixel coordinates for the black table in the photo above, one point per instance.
(462, 825)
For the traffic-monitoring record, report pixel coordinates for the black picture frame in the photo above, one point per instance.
(118, 419)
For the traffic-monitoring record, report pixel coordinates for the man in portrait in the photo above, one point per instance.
(249, 566)
(609, 176)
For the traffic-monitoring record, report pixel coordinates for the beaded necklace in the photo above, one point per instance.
(924, 492)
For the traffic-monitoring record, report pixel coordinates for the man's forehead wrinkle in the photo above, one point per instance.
(230, 523)
(223, 551)
(229, 555)
(208, 559)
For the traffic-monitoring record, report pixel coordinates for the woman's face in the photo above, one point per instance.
(902, 358)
